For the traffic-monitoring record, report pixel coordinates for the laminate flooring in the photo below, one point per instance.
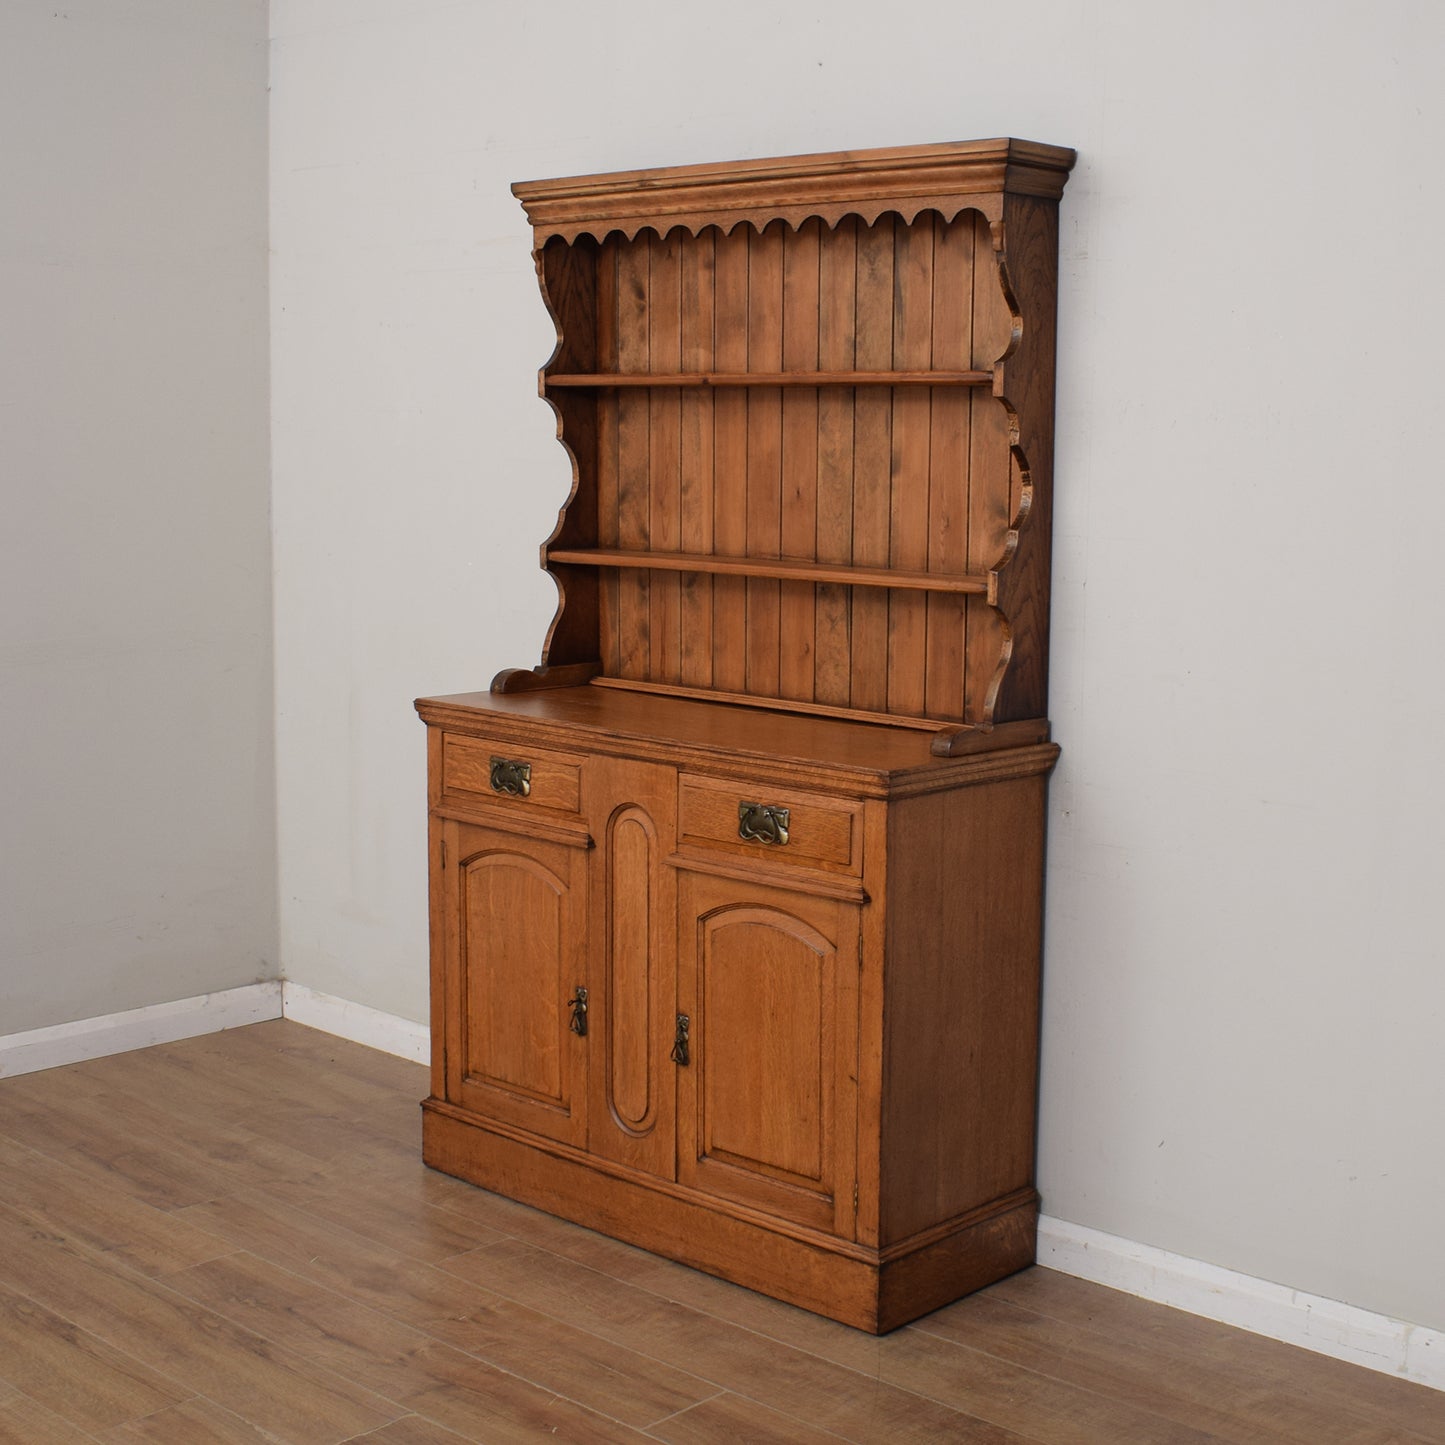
(233, 1239)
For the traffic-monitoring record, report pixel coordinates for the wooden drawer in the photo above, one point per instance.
(528, 777)
(821, 832)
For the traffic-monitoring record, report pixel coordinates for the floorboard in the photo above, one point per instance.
(233, 1239)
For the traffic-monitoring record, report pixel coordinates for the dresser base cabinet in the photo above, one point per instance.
(767, 1006)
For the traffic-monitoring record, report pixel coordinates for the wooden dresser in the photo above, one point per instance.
(736, 898)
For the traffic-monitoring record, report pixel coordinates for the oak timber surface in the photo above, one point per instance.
(234, 1234)
(611, 718)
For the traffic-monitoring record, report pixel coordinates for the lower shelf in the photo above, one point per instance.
(869, 1289)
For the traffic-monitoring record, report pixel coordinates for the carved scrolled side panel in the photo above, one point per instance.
(1027, 245)
(566, 275)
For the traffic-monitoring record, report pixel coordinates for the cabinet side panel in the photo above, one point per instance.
(960, 1075)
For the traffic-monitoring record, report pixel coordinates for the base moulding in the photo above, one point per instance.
(871, 1290)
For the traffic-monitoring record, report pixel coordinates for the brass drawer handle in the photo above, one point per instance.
(511, 777)
(758, 823)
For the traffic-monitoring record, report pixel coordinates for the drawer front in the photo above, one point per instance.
(515, 774)
(754, 820)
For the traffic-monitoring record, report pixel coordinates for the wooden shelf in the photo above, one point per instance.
(780, 568)
(608, 379)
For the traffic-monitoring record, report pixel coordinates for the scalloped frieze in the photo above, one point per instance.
(947, 178)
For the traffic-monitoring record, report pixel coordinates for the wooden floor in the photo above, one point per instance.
(233, 1239)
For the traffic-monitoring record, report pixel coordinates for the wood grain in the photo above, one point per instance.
(634, 457)
(947, 545)
(906, 179)
(837, 316)
(769, 419)
(72, 1372)
(764, 486)
(814, 572)
(158, 1328)
(532, 1310)
(731, 431)
(664, 421)
(196, 1422)
(767, 1371)
(872, 452)
(24, 1421)
(799, 462)
(910, 462)
(798, 376)
(696, 459)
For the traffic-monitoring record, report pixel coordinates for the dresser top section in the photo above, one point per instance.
(948, 177)
(870, 758)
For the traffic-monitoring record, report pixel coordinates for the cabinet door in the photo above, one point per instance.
(515, 918)
(767, 1105)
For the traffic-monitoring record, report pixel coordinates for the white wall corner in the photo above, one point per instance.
(357, 1022)
(1325, 1326)
(138, 1028)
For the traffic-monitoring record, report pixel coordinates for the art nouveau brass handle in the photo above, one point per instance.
(758, 823)
(511, 777)
(679, 1041)
(578, 1004)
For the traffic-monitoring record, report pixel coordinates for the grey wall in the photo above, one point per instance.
(1245, 997)
(137, 849)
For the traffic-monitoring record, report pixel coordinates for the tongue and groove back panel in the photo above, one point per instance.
(803, 471)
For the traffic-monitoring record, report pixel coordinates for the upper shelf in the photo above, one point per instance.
(603, 379)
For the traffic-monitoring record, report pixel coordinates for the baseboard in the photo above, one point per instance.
(1325, 1326)
(209, 1013)
(138, 1028)
(357, 1022)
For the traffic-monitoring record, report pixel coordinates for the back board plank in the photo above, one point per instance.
(696, 457)
(799, 519)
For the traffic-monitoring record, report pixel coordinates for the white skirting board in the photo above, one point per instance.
(1325, 1326)
(209, 1013)
(138, 1028)
(357, 1022)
